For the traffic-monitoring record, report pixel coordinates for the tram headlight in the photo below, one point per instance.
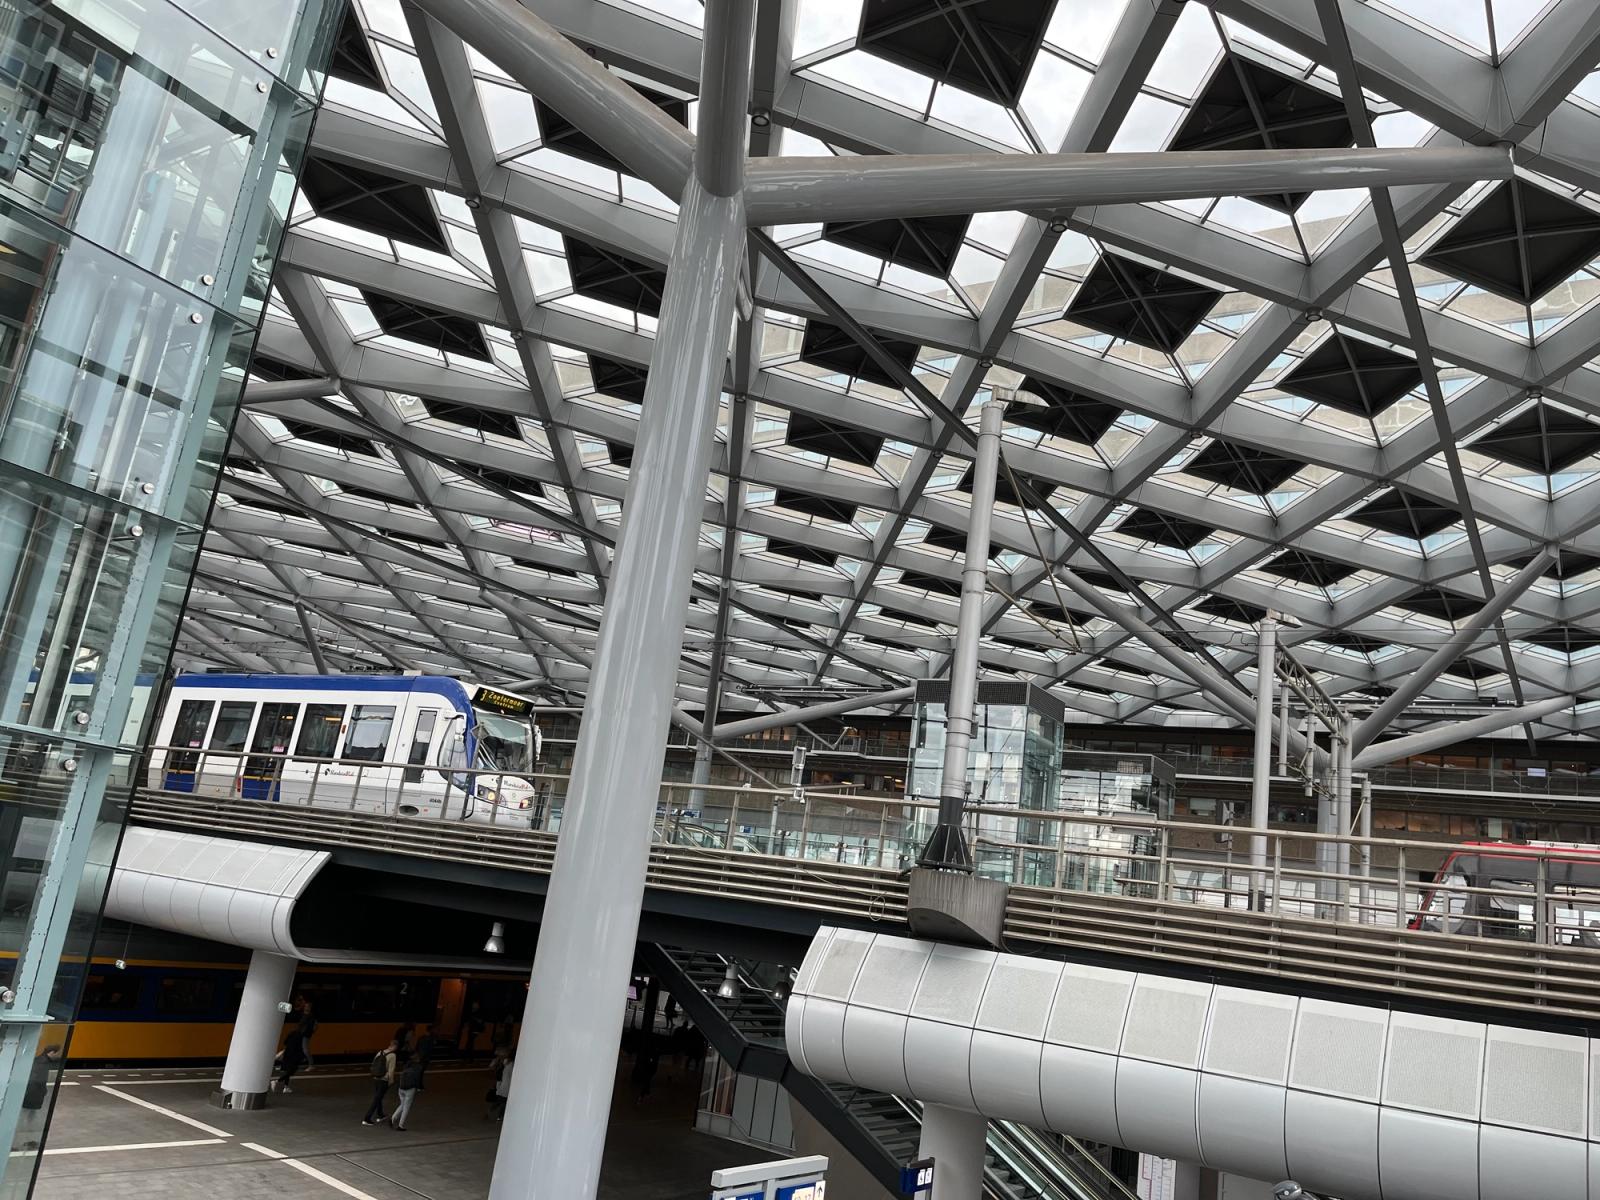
(489, 794)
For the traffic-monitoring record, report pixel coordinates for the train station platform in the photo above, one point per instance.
(152, 1134)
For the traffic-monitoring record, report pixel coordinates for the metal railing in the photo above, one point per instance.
(1124, 884)
(1419, 776)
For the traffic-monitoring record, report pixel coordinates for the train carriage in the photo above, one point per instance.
(416, 745)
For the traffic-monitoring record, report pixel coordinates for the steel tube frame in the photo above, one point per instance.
(311, 639)
(947, 845)
(813, 712)
(539, 57)
(1444, 735)
(561, 1096)
(1416, 682)
(1283, 731)
(880, 187)
(1261, 768)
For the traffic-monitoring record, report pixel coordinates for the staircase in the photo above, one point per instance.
(879, 1130)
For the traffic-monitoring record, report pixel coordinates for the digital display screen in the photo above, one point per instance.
(501, 702)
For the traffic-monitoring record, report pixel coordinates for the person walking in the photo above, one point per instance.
(297, 1047)
(426, 1043)
(410, 1083)
(30, 1126)
(383, 1068)
(502, 1086)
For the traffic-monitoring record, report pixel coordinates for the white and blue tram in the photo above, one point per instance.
(415, 745)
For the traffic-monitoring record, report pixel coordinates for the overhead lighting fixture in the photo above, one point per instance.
(729, 987)
(497, 939)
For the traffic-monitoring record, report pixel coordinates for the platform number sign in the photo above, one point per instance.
(917, 1177)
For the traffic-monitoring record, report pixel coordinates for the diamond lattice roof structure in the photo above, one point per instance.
(1223, 398)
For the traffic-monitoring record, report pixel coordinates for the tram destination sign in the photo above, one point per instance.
(501, 702)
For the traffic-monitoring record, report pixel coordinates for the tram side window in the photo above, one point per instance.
(233, 724)
(368, 738)
(421, 736)
(189, 729)
(319, 733)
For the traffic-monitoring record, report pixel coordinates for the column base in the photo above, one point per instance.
(953, 906)
(222, 1098)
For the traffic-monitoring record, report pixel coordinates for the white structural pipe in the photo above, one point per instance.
(812, 712)
(1261, 767)
(872, 187)
(958, 1142)
(947, 846)
(561, 1093)
(1283, 729)
(1366, 847)
(1342, 796)
(251, 1049)
(1416, 682)
(1458, 731)
(539, 57)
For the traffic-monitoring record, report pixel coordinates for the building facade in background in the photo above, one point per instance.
(149, 153)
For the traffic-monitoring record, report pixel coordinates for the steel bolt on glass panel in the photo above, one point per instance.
(149, 157)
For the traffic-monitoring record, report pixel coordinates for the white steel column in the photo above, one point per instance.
(555, 1122)
(1283, 731)
(255, 1030)
(1261, 767)
(957, 1141)
(1342, 793)
(947, 846)
(1458, 731)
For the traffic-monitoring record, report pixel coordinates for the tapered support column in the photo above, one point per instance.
(1416, 682)
(1261, 780)
(1283, 731)
(1342, 794)
(555, 1123)
(947, 847)
(1459, 731)
(255, 1031)
(957, 1142)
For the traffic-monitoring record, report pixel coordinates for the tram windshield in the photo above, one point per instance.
(504, 743)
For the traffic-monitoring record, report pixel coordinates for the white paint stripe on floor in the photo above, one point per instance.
(338, 1185)
(125, 1146)
(165, 1112)
(300, 1080)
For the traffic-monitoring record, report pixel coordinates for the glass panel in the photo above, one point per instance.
(369, 732)
(319, 734)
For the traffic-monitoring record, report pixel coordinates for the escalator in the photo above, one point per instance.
(879, 1130)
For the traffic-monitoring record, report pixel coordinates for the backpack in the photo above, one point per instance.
(380, 1065)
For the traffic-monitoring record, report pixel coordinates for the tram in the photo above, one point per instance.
(412, 745)
(1545, 892)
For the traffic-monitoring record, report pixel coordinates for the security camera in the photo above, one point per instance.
(1289, 1190)
(285, 1007)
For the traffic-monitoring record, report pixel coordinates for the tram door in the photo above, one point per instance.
(274, 735)
(447, 1015)
(189, 730)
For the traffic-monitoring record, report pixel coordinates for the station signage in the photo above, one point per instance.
(501, 702)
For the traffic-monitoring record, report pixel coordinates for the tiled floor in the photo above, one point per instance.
(312, 1146)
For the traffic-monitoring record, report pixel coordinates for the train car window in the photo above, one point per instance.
(111, 992)
(375, 1000)
(319, 731)
(233, 724)
(421, 736)
(368, 738)
(186, 996)
(273, 733)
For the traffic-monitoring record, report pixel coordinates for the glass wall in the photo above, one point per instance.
(148, 158)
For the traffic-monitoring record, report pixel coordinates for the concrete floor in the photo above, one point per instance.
(153, 1134)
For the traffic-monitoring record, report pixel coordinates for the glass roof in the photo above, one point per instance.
(1221, 395)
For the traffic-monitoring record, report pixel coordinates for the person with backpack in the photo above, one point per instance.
(410, 1082)
(383, 1067)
